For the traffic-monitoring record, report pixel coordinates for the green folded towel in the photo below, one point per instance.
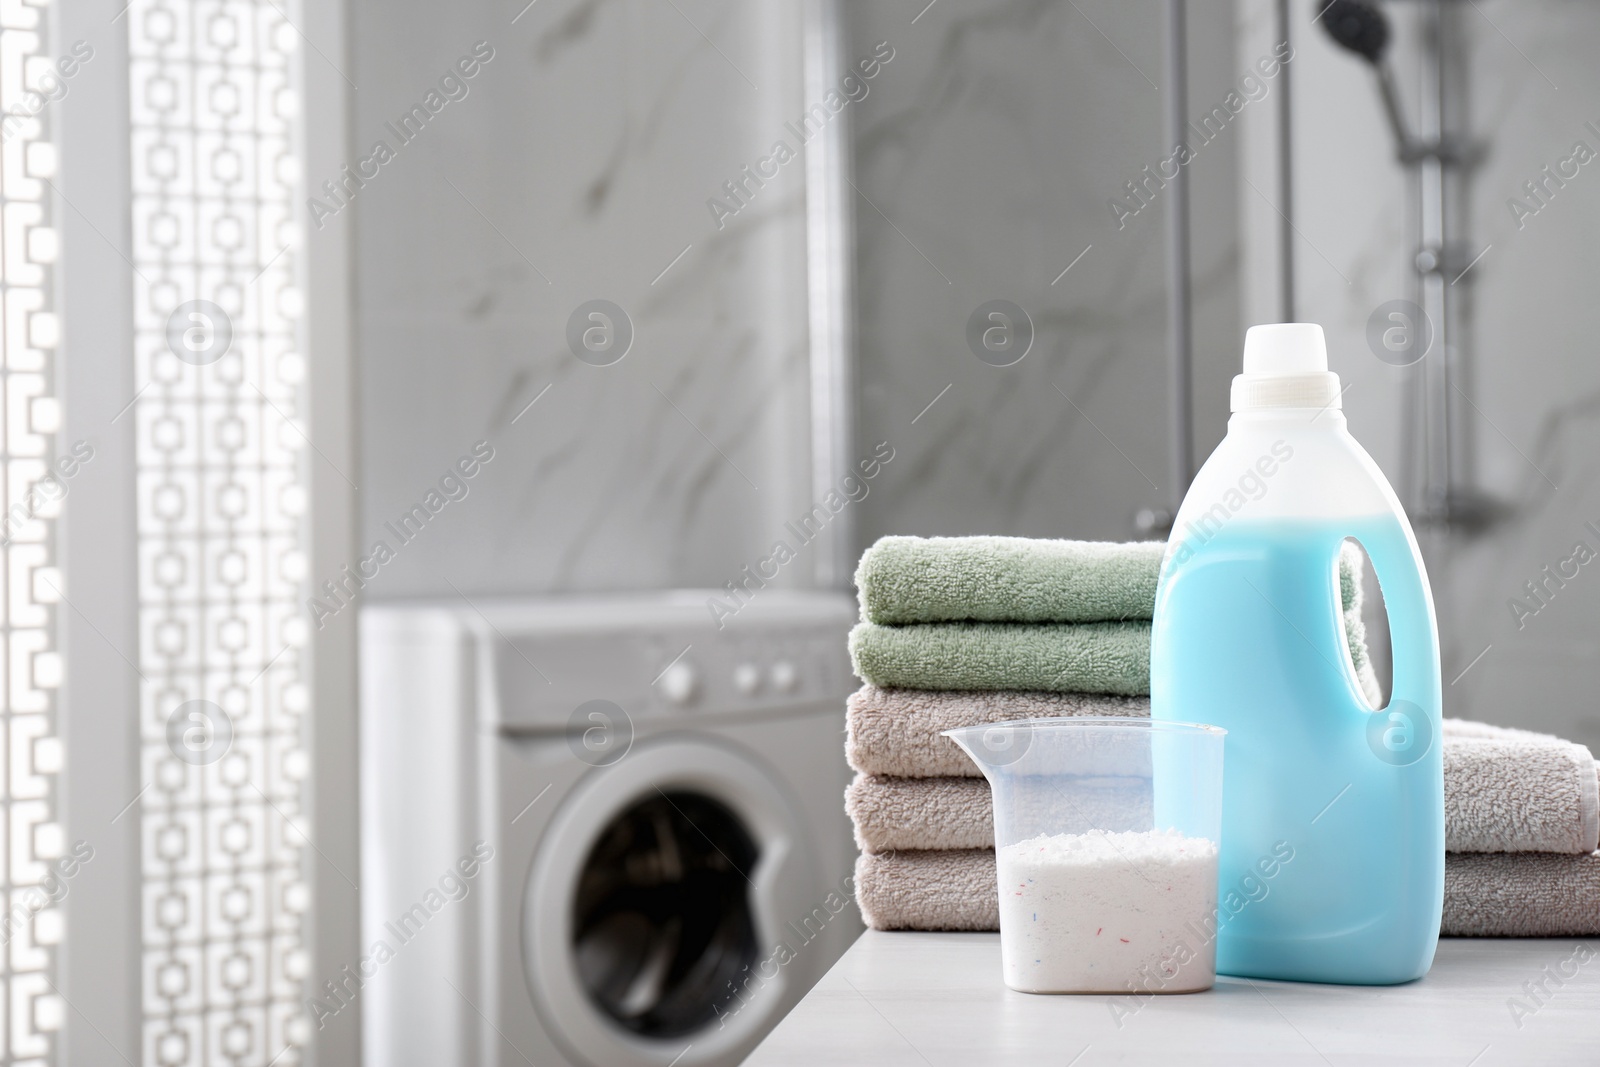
(1007, 579)
(1090, 657)
(1012, 595)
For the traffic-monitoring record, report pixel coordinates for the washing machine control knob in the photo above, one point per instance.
(747, 678)
(784, 676)
(678, 682)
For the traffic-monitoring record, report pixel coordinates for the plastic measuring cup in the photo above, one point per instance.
(1106, 837)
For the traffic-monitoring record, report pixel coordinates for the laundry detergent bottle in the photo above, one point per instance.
(1332, 853)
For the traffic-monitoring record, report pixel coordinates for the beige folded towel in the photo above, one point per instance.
(1500, 894)
(896, 731)
(1511, 790)
(1485, 894)
(928, 890)
(1505, 790)
(919, 813)
(1495, 801)
(953, 813)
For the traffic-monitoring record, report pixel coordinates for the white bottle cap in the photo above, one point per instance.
(1285, 366)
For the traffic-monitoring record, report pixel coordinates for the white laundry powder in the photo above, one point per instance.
(1108, 912)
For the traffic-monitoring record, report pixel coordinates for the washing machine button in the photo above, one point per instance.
(784, 676)
(678, 682)
(747, 678)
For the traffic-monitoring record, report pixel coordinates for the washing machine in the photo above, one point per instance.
(601, 831)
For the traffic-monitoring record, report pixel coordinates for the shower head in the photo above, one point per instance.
(1357, 26)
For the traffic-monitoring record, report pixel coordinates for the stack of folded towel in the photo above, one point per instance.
(958, 631)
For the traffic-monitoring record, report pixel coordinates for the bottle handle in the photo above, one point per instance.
(1406, 728)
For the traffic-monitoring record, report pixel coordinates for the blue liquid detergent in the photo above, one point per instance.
(1249, 636)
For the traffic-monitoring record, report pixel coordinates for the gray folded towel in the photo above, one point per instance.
(1485, 894)
(1007, 579)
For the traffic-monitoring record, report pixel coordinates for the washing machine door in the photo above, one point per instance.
(657, 915)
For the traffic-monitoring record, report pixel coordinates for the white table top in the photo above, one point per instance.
(926, 1000)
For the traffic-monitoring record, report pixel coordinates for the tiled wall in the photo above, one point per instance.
(578, 166)
(987, 158)
(989, 144)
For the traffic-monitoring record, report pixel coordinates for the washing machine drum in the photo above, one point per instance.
(663, 928)
(655, 901)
